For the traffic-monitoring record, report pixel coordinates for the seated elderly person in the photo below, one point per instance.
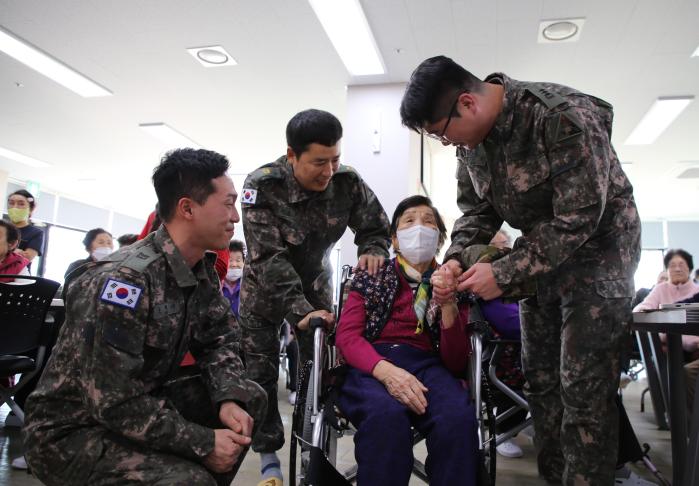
(678, 264)
(11, 262)
(403, 352)
(98, 244)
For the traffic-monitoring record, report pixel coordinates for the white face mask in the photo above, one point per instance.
(234, 274)
(418, 244)
(101, 252)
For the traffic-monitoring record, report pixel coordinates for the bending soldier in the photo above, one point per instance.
(539, 156)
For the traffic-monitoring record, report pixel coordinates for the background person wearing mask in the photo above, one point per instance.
(98, 243)
(20, 206)
(231, 284)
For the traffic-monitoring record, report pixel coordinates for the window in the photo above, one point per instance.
(64, 246)
(649, 267)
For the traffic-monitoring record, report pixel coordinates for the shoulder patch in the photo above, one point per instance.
(265, 172)
(565, 128)
(140, 260)
(249, 196)
(550, 98)
(121, 293)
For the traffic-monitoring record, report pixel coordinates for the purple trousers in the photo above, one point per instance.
(384, 442)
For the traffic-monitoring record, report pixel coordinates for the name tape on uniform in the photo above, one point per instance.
(249, 196)
(120, 293)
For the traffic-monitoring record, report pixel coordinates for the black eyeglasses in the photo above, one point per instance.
(441, 137)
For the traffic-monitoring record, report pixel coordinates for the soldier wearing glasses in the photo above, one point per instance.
(539, 156)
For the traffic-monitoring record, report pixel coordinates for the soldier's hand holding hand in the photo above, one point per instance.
(328, 317)
(480, 280)
(226, 451)
(370, 263)
(238, 420)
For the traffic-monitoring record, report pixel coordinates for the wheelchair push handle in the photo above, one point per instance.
(316, 322)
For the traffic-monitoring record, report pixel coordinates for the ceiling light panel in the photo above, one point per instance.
(50, 67)
(170, 137)
(560, 30)
(24, 159)
(212, 56)
(661, 114)
(347, 27)
(696, 52)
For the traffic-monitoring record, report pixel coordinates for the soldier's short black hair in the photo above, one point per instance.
(432, 90)
(127, 239)
(412, 202)
(685, 255)
(91, 235)
(312, 126)
(188, 173)
(27, 195)
(11, 230)
(236, 245)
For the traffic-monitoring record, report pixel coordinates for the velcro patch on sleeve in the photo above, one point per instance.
(249, 196)
(121, 294)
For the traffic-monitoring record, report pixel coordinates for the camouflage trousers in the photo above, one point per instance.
(261, 345)
(124, 462)
(571, 355)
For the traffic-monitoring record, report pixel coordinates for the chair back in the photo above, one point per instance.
(23, 308)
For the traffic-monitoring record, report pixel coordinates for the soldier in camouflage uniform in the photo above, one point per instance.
(539, 156)
(113, 406)
(294, 211)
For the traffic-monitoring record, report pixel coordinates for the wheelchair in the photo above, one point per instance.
(317, 424)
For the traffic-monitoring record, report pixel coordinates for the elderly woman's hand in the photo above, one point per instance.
(444, 282)
(402, 386)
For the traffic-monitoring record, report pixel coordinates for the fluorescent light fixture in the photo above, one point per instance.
(657, 119)
(346, 25)
(212, 56)
(52, 68)
(172, 138)
(24, 159)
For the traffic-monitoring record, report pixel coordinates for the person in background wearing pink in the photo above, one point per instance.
(678, 264)
(403, 351)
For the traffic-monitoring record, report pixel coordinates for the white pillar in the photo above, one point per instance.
(4, 179)
(380, 148)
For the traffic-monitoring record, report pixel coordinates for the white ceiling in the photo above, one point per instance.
(630, 52)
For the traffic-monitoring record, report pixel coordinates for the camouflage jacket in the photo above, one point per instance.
(548, 168)
(290, 232)
(130, 318)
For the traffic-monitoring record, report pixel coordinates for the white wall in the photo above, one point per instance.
(393, 171)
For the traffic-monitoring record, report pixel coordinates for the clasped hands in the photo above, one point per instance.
(450, 278)
(230, 442)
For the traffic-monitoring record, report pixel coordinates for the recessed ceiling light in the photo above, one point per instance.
(171, 137)
(346, 25)
(24, 159)
(50, 67)
(212, 56)
(660, 115)
(560, 30)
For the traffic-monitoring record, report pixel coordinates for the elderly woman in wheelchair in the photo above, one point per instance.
(403, 353)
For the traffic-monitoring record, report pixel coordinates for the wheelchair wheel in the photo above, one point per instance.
(486, 422)
(301, 419)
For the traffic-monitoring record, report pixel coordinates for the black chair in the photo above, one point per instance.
(23, 331)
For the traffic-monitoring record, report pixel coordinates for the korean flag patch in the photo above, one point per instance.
(122, 294)
(249, 196)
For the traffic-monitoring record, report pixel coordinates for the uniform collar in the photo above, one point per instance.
(295, 192)
(185, 276)
(503, 123)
